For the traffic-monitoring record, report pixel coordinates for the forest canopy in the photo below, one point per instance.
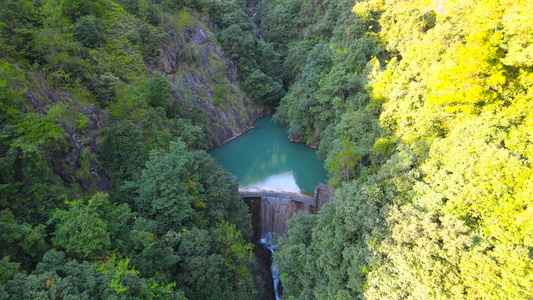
(106, 188)
(422, 111)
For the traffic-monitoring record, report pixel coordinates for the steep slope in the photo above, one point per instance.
(211, 76)
(106, 110)
(425, 121)
(93, 81)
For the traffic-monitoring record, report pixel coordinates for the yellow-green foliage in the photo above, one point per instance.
(476, 98)
(440, 207)
(184, 20)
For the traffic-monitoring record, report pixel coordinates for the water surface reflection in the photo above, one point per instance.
(264, 157)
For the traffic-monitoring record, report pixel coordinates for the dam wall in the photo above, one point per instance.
(271, 208)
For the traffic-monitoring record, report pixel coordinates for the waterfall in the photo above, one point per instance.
(254, 10)
(270, 210)
(275, 211)
(267, 241)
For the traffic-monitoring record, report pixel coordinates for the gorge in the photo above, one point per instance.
(421, 112)
(276, 177)
(270, 210)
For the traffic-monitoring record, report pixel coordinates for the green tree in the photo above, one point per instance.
(150, 43)
(237, 43)
(217, 199)
(18, 22)
(163, 192)
(57, 277)
(473, 76)
(159, 94)
(86, 31)
(152, 255)
(419, 257)
(263, 89)
(153, 16)
(123, 150)
(342, 163)
(30, 188)
(294, 257)
(20, 242)
(503, 272)
(76, 9)
(217, 263)
(131, 6)
(88, 230)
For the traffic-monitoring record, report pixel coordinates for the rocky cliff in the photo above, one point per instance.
(229, 112)
(74, 158)
(191, 60)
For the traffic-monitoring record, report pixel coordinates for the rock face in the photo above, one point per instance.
(229, 115)
(75, 161)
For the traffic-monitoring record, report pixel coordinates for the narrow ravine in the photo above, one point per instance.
(265, 160)
(270, 210)
(254, 9)
(269, 243)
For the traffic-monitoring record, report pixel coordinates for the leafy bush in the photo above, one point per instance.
(263, 89)
(153, 16)
(220, 91)
(75, 9)
(150, 42)
(189, 54)
(86, 32)
(133, 37)
(132, 6)
(126, 165)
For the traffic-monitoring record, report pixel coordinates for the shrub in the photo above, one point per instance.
(150, 42)
(153, 16)
(221, 91)
(86, 32)
(131, 6)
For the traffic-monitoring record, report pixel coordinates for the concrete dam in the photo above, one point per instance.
(271, 208)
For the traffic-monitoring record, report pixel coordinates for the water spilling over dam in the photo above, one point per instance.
(271, 172)
(270, 210)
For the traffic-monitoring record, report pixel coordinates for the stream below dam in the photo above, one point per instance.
(276, 179)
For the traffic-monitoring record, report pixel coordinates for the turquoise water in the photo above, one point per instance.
(264, 157)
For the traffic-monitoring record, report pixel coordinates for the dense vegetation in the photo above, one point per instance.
(425, 119)
(106, 189)
(422, 110)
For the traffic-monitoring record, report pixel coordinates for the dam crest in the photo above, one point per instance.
(271, 208)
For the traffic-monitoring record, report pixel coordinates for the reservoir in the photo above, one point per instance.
(264, 157)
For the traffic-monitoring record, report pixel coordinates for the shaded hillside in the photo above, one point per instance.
(121, 55)
(107, 108)
(197, 67)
